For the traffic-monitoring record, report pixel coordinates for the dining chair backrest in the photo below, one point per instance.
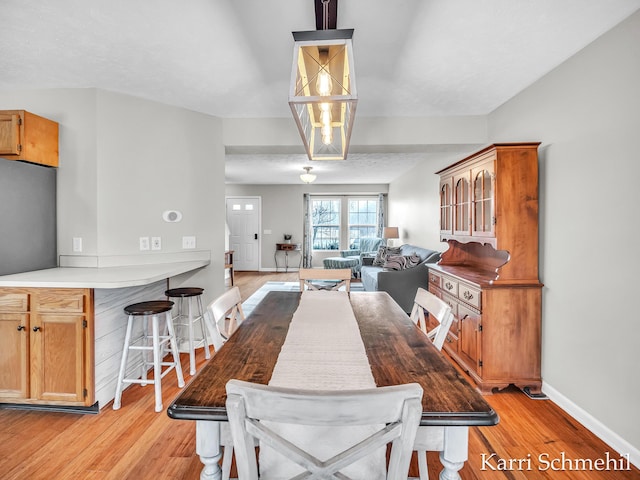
(226, 315)
(341, 276)
(436, 308)
(396, 410)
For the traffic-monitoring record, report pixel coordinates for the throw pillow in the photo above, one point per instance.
(401, 262)
(383, 253)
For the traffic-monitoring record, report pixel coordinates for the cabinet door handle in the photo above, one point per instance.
(467, 295)
(21, 327)
(448, 285)
(35, 329)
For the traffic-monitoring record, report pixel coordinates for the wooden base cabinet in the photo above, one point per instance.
(496, 340)
(489, 274)
(46, 346)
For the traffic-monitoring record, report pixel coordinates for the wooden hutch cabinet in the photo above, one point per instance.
(489, 274)
(46, 346)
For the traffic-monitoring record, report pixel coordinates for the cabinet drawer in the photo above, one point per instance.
(450, 286)
(14, 301)
(452, 302)
(469, 295)
(52, 300)
(435, 279)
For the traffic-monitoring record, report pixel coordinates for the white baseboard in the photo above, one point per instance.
(600, 430)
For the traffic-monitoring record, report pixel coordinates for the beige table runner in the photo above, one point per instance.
(323, 350)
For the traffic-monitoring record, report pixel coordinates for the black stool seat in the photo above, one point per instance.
(153, 307)
(184, 292)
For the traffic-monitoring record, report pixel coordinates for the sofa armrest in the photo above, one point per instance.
(349, 253)
(402, 285)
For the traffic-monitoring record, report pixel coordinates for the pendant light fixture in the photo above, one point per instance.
(307, 177)
(322, 94)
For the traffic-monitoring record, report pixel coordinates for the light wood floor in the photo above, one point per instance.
(137, 443)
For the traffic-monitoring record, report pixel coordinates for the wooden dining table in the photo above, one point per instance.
(398, 352)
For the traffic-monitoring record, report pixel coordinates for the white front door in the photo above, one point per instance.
(243, 218)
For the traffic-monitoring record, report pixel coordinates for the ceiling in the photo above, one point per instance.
(232, 58)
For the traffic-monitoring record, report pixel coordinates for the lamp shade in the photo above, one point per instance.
(390, 232)
(322, 94)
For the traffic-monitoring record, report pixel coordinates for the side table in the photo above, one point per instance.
(286, 248)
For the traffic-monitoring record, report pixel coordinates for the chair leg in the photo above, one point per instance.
(157, 367)
(205, 339)
(123, 365)
(174, 351)
(226, 462)
(422, 464)
(192, 351)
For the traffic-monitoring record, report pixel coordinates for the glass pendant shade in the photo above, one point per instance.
(307, 177)
(322, 93)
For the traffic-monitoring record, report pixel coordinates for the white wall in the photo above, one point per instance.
(586, 114)
(282, 211)
(123, 161)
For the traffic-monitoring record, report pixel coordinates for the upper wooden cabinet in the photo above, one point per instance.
(485, 196)
(28, 137)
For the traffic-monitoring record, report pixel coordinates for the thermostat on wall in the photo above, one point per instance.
(172, 216)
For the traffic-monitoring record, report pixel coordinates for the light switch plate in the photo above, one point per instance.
(188, 242)
(144, 243)
(77, 244)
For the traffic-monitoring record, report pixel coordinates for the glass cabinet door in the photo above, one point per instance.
(446, 222)
(483, 201)
(461, 205)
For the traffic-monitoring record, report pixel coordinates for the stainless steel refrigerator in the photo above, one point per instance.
(27, 217)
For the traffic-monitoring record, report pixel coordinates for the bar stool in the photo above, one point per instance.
(154, 343)
(187, 319)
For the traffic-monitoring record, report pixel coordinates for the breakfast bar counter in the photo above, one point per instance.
(62, 330)
(100, 277)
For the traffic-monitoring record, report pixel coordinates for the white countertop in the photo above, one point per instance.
(102, 277)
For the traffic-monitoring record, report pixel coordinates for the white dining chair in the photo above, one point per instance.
(253, 410)
(225, 315)
(427, 302)
(430, 438)
(341, 276)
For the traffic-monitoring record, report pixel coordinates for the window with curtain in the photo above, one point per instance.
(325, 223)
(338, 223)
(363, 220)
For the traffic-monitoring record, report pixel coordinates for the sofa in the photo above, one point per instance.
(403, 284)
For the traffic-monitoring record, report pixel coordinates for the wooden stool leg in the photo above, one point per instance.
(123, 365)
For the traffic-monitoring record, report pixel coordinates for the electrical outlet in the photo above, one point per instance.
(144, 243)
(188, 242)
(77, 244)
(156, 243)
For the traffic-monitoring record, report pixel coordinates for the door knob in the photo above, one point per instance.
(35, 329)
(255, 237)
(21, 327)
